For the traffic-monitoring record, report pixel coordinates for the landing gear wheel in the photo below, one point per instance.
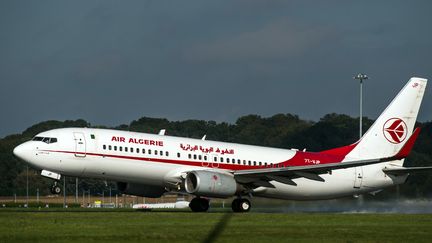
(199, 204)
(241, 205)
(55, 189)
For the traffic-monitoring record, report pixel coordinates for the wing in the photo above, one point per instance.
(312, 172)
(261, 177)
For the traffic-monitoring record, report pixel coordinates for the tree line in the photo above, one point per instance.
(280, 130)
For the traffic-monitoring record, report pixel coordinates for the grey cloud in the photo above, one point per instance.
(280, 39)
(110, 62)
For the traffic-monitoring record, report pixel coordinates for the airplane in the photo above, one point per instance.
(149, 206)
(151, 165)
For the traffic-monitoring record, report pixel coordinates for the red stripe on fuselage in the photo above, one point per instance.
(299, 159)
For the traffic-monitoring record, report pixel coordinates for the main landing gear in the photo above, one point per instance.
(239, 205)
(199, 204)
(55, 189)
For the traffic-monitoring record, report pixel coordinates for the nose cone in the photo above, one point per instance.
(27, 153)
(23, 151)
(19, 151)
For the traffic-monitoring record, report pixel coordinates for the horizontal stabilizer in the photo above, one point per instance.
(406, 170)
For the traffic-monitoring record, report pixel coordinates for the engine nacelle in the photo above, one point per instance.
(210, 184)
(140, 189)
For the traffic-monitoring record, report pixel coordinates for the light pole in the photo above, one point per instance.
(27, 185)
(64, 191)
(361, 77)
(76, 189)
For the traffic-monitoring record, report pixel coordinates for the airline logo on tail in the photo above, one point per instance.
(395, 130)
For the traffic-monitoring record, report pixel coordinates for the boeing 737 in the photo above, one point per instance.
(151, 165)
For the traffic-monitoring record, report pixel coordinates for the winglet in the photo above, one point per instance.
(406, 149)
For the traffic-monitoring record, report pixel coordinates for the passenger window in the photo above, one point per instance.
(137, 150)
(161, 153)
(126, 149)
(205, 157)
(178, 155)
(249, 162)
(189, 156)
(109, 147)
(166, 154)
(155, 152)
(215, 159)
(131, 150)
(143, 151)
(199, 157)
(221, 159)
(104, 146)
(115, 148)
(149, 151)
(194, 156)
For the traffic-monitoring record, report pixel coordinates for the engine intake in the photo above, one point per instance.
(210, 184)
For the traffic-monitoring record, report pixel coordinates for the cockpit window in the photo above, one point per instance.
(47, 140)
(38, 138)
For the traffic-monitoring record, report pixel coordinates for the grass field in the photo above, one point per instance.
(132, 226)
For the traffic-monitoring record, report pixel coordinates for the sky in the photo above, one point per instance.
(111, 62)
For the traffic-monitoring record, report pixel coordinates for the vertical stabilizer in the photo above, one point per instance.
(394, 126)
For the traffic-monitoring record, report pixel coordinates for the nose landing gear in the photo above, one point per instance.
(241, 205)
(55, 189)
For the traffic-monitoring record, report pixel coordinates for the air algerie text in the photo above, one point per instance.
(137, 141)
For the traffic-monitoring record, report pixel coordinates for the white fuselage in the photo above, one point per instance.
(157, 160)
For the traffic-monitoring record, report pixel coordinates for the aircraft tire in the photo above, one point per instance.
(55, 190)
(199, 204)
(240, 205)
(244, 205)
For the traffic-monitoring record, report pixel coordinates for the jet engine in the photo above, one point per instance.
(210, 184)
(140, 189)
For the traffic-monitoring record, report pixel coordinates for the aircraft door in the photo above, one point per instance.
(358, 179)
(80, 144)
